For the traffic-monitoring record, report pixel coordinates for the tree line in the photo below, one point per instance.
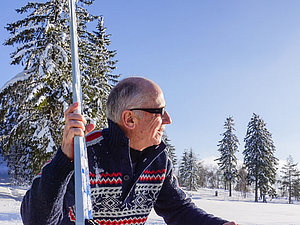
(258, 171)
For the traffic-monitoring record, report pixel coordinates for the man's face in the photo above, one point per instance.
(150, 126)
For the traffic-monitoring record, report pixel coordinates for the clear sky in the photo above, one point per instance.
(212, 58)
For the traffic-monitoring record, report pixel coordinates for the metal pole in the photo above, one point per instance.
(83, 204)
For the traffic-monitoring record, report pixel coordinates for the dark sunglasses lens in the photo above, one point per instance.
(163, 111)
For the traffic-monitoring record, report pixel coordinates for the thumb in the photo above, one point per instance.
(89, 128)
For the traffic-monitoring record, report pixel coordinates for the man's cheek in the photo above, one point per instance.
(154, 123)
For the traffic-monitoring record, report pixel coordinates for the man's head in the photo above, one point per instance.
(137, 105)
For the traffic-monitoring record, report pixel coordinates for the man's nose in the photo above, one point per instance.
(166, 119)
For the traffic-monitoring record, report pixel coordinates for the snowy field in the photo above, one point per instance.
(239, 209)
(243, 211)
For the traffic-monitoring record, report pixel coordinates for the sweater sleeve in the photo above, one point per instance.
(43, 202)
(177, 209)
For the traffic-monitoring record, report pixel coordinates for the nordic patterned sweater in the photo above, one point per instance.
(120, 195)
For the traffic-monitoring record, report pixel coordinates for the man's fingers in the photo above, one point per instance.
(74, 132)
(71, 108)
(75, 116)
(71, 133)
(76, 124)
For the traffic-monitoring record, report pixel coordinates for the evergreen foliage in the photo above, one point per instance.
(228, 147)
(212, 177)
(242, 184)
(259, 158)
(170, 148)
(189, 170)
(290, 179)
(32, 108)
(182, 168)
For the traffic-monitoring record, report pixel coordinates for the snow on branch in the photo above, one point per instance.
(19, 77)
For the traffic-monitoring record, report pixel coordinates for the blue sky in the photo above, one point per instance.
(212, 58)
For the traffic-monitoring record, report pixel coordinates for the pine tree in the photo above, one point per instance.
(170, 149)
(259, 158)
(228, 147)
(242, 184)
(296, 185)
(15, 145)
(182, 168)
(189, 170)
(290, 178)
(39, 100)
(213, 177)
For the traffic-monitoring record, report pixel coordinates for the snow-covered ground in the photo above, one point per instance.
(10, 201)
(243, 211)
(239, 209)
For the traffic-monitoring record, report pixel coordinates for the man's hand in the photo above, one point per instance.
(230, 223)
(75, 126)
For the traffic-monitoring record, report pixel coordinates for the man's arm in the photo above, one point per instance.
(177, 209)
(43, 203)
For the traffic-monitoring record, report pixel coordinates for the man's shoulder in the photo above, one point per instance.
(93, 138)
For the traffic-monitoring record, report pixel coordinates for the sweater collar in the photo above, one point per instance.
(114, 134)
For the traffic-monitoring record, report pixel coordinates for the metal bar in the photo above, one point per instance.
(83, 205)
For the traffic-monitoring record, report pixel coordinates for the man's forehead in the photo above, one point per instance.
(154, 100)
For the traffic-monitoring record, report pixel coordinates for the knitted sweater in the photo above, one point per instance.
(120, 195)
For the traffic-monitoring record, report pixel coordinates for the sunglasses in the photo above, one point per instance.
(160, 111)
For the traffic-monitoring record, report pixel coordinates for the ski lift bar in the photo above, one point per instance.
(83, 204)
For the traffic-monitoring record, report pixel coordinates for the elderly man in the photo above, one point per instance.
(130, 172)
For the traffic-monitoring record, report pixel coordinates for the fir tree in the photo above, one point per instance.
(290, 178)
(213, 177)
(170, 149)
(189, 170)
(242, 184)
(182, 168)
(43, 48)
(259, 158)
(228, 147)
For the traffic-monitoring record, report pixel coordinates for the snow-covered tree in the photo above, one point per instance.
(290, 178)
(14, 143)
(189, 170)
(228, 146)
(42, 41)
(182, 168)
(170, 148)
(259, 158)
(213, 177)
(242, 184)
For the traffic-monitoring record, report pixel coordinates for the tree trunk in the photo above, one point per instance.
(290, 193)
(256, 191)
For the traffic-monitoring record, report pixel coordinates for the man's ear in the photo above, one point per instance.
(128, 119)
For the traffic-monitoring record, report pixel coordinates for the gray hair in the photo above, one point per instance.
(127, 94)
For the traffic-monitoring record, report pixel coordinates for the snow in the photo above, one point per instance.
(236, 208)
(44, 131)
(22, 52)
(19, 77)
(242, 210)
(35, 90)
(10, 200)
